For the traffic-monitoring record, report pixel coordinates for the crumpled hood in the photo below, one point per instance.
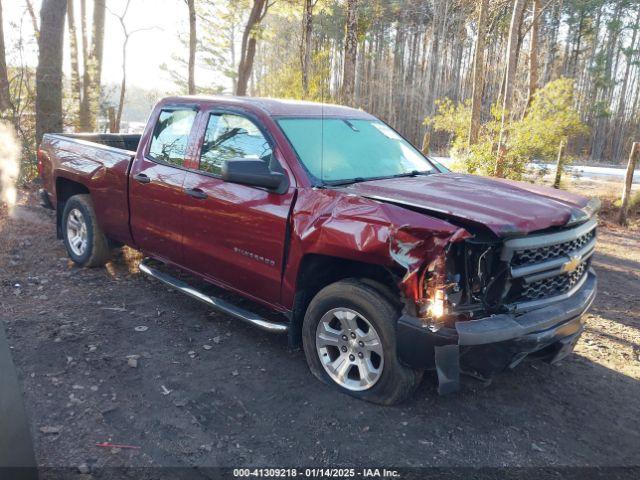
(505, 207)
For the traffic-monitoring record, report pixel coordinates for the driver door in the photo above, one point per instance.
(234, 234)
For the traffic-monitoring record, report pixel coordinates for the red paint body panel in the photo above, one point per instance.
(236, 235)
(332, 223)
(505, 207)
(102, 170)
(156, 210)
(253, 241)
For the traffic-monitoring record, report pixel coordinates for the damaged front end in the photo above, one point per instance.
(478, 305)
(432, 282)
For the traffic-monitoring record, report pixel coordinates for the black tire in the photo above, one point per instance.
(396, 382)
(97, 251)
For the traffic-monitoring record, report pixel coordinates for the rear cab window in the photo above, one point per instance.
(171, 136)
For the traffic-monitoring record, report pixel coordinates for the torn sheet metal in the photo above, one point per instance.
(424, 256)
(333, 223)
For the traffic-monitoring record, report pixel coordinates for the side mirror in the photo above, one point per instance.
(254, 172)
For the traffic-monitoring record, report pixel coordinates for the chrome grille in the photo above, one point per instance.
(537, 255)
(554, 286)
(547, 266)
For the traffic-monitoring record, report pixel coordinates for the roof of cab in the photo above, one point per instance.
(277, 107)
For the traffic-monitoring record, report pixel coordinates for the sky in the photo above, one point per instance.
(167, 24)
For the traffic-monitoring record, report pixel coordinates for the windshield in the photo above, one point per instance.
(338, 150)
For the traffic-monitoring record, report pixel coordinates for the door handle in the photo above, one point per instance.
(141, 178)
(195, 193)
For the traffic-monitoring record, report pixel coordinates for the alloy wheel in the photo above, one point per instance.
(350, 349)
(77, 234)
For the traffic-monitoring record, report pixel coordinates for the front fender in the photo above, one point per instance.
(333, 223)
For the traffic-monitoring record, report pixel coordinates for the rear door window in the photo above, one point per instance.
(230, 136)
(171, 136)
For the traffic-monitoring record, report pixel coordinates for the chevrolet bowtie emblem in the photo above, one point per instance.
(572, 264)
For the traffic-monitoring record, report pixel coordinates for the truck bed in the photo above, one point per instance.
(127, 142)
(95, 163)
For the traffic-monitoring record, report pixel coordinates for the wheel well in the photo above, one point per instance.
(65, 189)
(318, 271)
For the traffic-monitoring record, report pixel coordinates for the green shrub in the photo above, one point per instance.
(550, 119)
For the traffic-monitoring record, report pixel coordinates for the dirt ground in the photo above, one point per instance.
(194, 388)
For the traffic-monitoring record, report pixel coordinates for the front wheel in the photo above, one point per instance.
(85, 242)
(349, 339)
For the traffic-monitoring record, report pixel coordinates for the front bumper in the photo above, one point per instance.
(492, 344)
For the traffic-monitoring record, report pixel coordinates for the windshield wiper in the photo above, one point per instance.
(339, 183)
(350, 181)
(414, 173)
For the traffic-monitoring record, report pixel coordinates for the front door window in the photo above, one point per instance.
(230, 136)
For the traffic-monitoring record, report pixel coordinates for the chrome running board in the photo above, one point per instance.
(216, 303)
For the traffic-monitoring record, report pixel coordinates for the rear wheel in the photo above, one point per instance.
(85, 242)
(349, 342)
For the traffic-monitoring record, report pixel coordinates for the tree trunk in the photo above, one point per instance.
(619, 120)
(600, 130)
(111, 114)
(426, 142)
(360, 86)
(84, 104)
(350, 53)
(34, 18)
(509, 80)
(93, 68)
(478, 74)
(49, 71)
(551, 42)
(397, 90)
(193, 39)
(573, 64)
(434, 58)
(232, 54)
(591, 85)
(123, 85)
(5, 99)
(533, 53)
(97, 39)
(626, 192)
(559, 165)
(305, 45)
(76, 87)
(248, 47)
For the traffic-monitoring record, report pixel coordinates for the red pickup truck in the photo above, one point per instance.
(378, 260)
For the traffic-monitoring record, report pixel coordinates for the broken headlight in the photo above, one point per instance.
(469, 283)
